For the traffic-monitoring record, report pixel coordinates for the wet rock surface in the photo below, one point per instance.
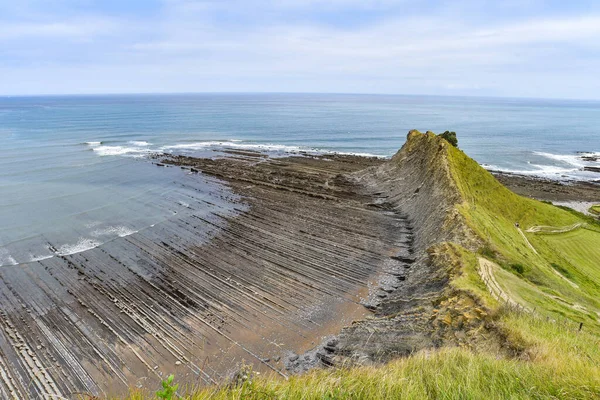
(278, 272)
(548, 190)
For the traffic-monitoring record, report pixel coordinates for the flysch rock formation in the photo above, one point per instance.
(281, 263)
(269, 260)
(424, 312)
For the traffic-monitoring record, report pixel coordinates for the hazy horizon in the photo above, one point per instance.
(474, 96)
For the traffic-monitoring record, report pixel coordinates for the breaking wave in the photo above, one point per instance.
(122, 151)
(82, 244)
(120, 231)
(6, 259)
(143, 148)
(557, 166)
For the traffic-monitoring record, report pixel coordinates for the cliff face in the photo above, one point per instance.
(418, 181)
(421, 183)
(457, 207)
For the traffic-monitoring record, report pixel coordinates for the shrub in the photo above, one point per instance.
(450, 137)
(487, 252)
(518, 268)
(565, 272)
(168, 390)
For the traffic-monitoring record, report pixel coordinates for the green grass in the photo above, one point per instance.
(559, 364)
(563, 278)
(560, 280)
(595, 209)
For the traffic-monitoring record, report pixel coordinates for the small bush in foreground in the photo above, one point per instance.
(168, 390)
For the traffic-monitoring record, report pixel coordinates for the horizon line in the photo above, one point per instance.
(293, 93)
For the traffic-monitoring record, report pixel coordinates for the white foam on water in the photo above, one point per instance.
(82, 244)
(550, 169)
(122, 151)
(142, 148)
(140, 143)
(231, 144)
(33, 258)
(6, 259)
(263, 147)
(120, 231)
(549, 172)
(559, 167)
(539, 170)
(571, 159)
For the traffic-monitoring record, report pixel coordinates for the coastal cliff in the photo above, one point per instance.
(477, 245)
(419, 180)
(426, 311)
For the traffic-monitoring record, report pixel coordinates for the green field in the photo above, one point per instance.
(558, 274)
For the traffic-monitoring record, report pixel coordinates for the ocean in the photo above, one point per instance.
(75, 171)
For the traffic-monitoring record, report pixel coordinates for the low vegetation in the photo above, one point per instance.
(553, 275)
(559, 363)
(450, 137)
(553, 270)
(595, 209)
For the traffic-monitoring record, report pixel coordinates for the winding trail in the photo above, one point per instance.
(527, 240)
(552, 229)
(486, 272)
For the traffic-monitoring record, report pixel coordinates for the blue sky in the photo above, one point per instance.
(525, 48)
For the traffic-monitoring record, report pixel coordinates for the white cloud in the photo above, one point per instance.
(81, 28)
(191, 47)
(423, 43)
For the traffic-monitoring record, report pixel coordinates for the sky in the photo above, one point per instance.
(509, 48)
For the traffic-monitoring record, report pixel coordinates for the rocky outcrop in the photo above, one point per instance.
(423, 312)
(418, 181)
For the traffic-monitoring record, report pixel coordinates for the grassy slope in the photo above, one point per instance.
(445, 374)
(492, 211)
(556, 361)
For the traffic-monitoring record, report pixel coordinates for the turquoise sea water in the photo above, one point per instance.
(74, 170)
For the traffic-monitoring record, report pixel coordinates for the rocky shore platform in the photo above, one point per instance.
(300, 252)
(550, 190)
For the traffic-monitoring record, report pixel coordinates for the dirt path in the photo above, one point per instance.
(486, 271)
(553, 229)
(527, 241)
